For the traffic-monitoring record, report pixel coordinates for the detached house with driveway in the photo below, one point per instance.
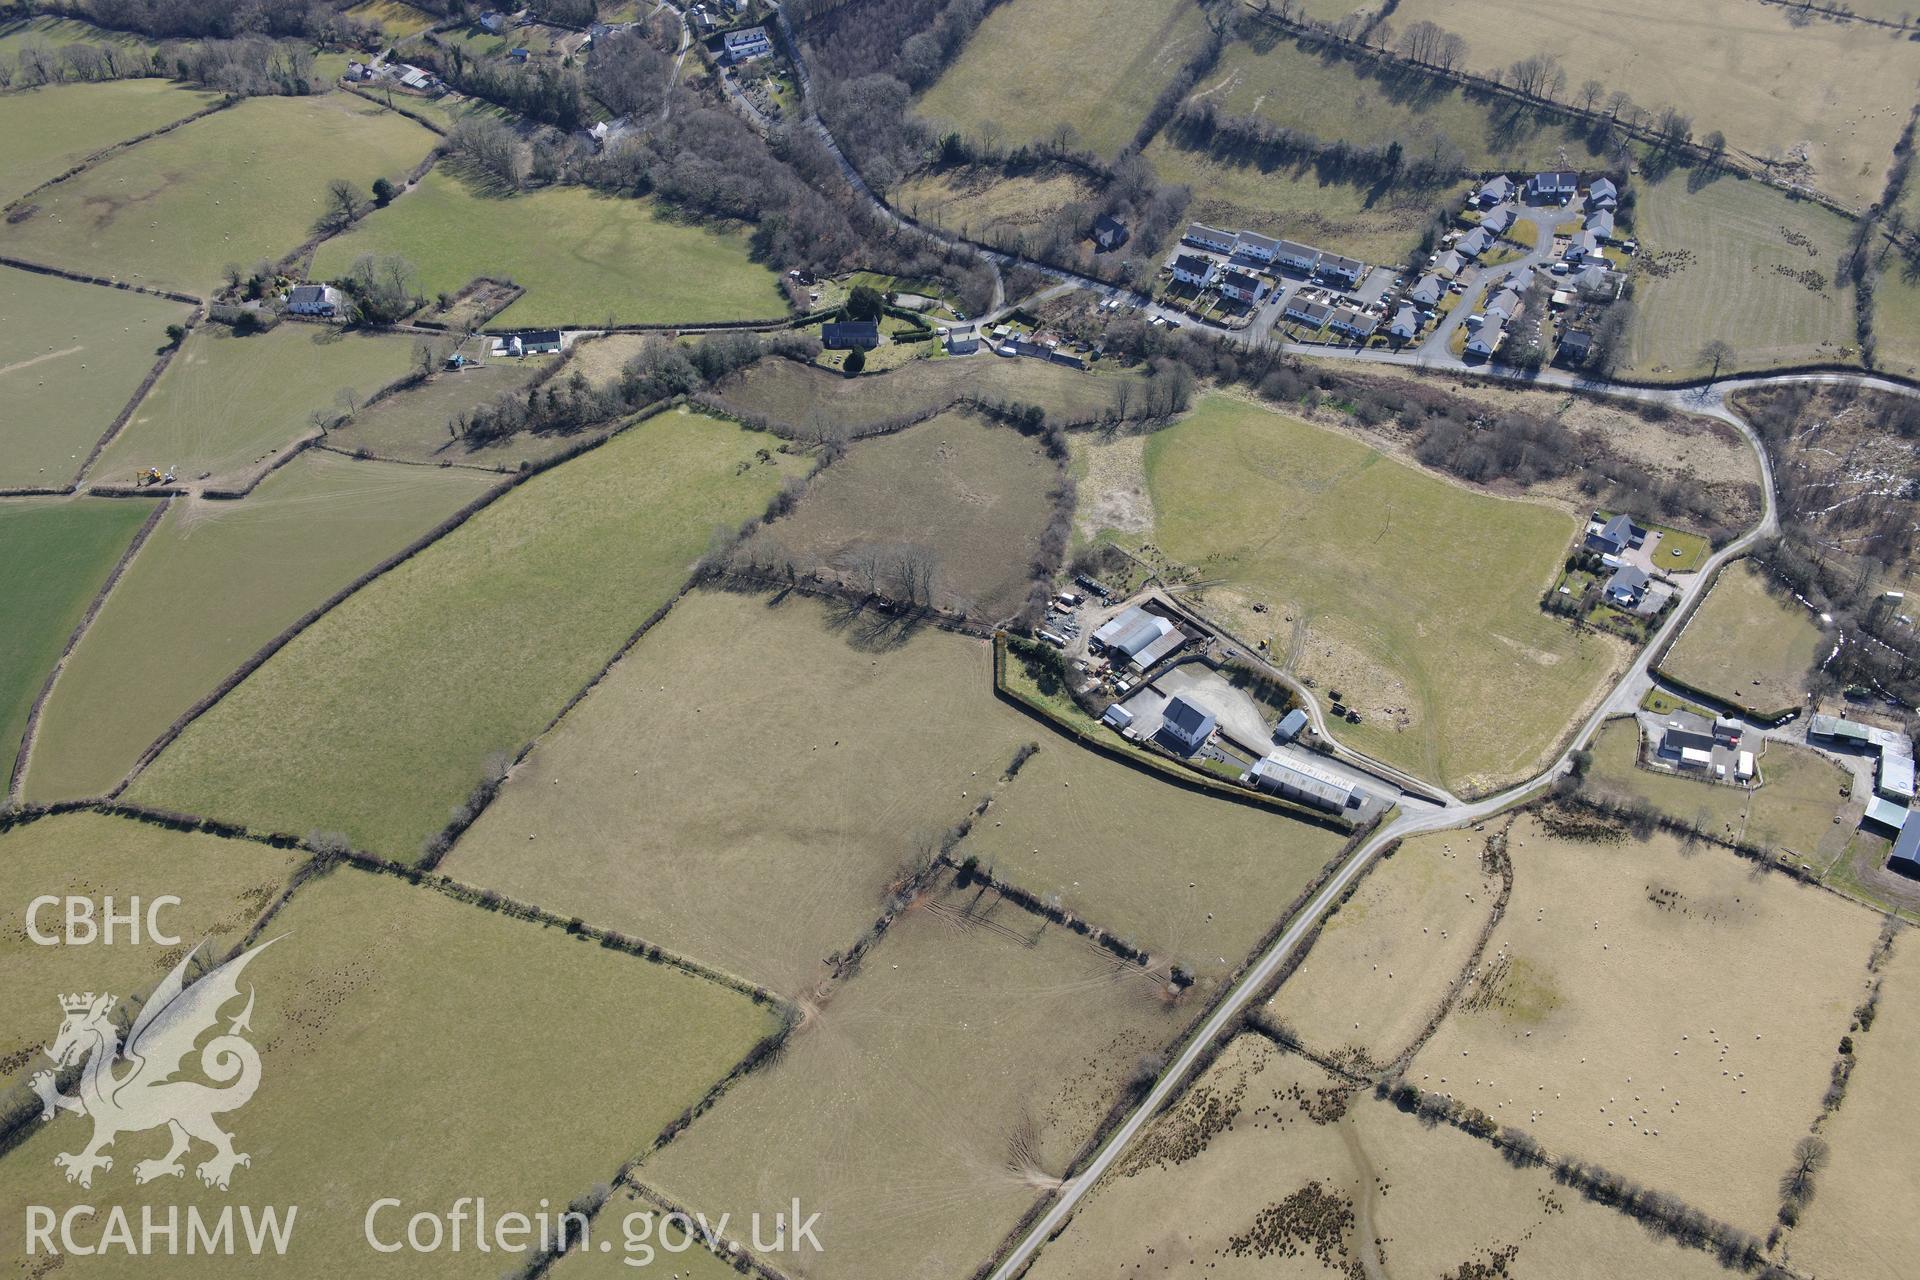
(1600, 222)
(1474, 243)
(1603, 194)
(1184, 728)
(1406, 323)
(1616, 537)
(1486, 340)
(1427, 290)
(1497, 220)
(1493, 191)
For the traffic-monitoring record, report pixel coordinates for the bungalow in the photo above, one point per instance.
(1600, 223)
(1486, 340)
(493, 23)
(1296, 257)
(1603, 194)
(1210, 238)
(1184, 728)
(1686, 731)
(315, 300)
(1314, 315)
(748, 44)
(1582, 246)
(1449, 263)
(1575, 346)
(850, 333)
(1615, 536)
(1427, 290)
(1109, 233)
(1504, 305)
(1595, 280)
(1256, 246)
(1475, 242)
(1493, 191)
(1406, 323)
(1359, 325)
(1556, 187)
(1348, 269)
(1195, 269)
(536, 342)
(1626, 586)
(1498, 220)
(1241, 287)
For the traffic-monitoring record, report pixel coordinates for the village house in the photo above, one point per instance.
(1581, 246)
(1603, 194)
(1109, 233)
(743, 46)
(1617, 536)
(1427, 290)
(1627, 585)
(1314, 315)
(1600, 223)
(1557, 187)
(1494, 191)
(1241, 287)
(962, 339)
(839, 334)
(1498, 220)
(1206, 237)
(1406, 323)
(1449, 263)
(1253, 245)
(1485, 341)
(1474, 243)
(315, 300)
(1348, 269)
(1575, 346)
(1359, 325)
(1296, 257)
(1184, 727)
(1505, 305)
(1195, 269)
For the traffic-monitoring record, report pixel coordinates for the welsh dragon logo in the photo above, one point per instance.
(126, 1090)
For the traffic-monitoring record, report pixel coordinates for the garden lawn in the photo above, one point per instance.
(1737, 261)
(71, 356)
(1749, 644)
(1027, 70)
(584, 258)
(228, 405)
(215, 581)
(482, 1055)
(1413, 598)
(241, 185)
(383, 716)
(58, 553)
(54, 127)
(222, 887)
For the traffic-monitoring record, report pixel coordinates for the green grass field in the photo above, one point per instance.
(53, 128)
(878, 750)
(241, 185)
(1297, 204)
(214, 582)
(810, 398)
(1370, 103)
(59, 552)
(1793, 810)
(1094, 835)
(1747, 645)
(395, 19)
(1026, 70)
(1726, 64)
(222, 885)
(228, 405)
(412, 426)
(1896, 318)
(371, 1012)
(55, 33)
(1731, 261)
(582, 257)
(930, 1101)
(969, 494)
(71, 356)
(1414, 598)
(379, 719)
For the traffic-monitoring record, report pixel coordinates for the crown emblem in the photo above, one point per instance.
(80, 1003)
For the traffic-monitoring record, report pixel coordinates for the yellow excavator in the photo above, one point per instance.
(152, 476)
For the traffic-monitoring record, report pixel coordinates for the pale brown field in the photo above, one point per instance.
(1663, 1012)
(932, 1097)
(1263, 1169)
(1750, 643)
(1382, 966)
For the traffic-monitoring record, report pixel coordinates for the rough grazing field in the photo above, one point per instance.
(1793, 810)
(970, 494)
(1849, 1230)
(71, 356)
(384, 715)
(1661, 1012)
(1749, 643)
(1437, 883)
(53, 128)
(987, 205)
(1343, 542)
(583, 258)
(1832, 95)
(412, 426)
(396, 20)
(223, 886)
(228, 405)
(635, 1226)
(1125, 851)
(1267, 1167)
(782, 818)
(1739, 261)
(1296, 203)
(241, 185)
(354, 1004)
(214, 582)
(1370, 103)
(58, 552)
(925, 1104)
(1026, 72)
(810, 398)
